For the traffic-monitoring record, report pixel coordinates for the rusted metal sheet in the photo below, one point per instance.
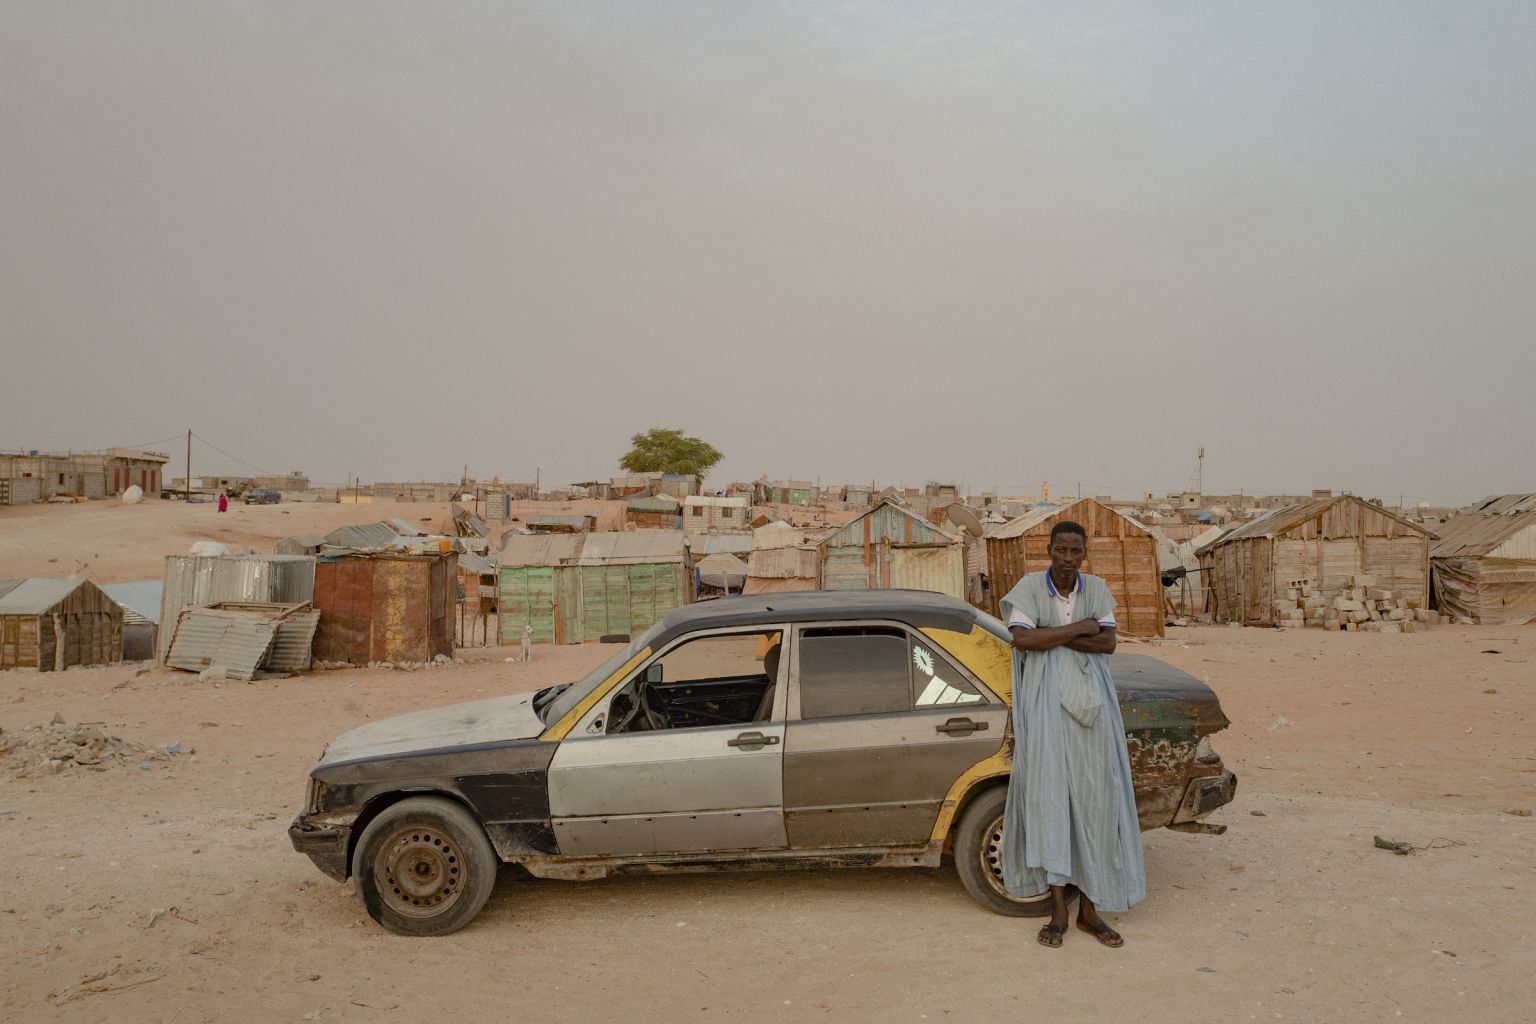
(940, 569)
(385, 607)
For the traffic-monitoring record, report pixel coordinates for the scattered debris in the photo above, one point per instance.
(1519, 812)
(115, 979)
(1403, 849)
(60, 745)
(1492, 650)
(1281, 722)
(1258, 814)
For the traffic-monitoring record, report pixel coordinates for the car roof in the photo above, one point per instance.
(914, 607)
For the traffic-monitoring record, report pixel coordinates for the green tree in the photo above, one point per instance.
(661, 450)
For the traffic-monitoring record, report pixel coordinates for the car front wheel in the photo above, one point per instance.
(979, 859)
(424, 867)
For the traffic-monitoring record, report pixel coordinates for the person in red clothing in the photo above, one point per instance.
(223, 502)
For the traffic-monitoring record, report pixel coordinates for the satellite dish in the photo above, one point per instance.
(964, 518)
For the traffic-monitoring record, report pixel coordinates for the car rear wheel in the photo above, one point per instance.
(979, 859)
(424, 867)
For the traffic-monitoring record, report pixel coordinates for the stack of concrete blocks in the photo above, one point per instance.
(1362, 607)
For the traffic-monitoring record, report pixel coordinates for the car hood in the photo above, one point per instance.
(457, 725)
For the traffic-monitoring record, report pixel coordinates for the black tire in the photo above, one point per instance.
(424, 867)
(978, 860)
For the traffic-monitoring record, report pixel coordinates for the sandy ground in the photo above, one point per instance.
(110, 542)
(1292, 914)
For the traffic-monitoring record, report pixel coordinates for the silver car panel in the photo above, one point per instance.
(879, 780)
(671, 791)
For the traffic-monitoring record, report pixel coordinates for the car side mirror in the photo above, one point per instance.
(653, 673)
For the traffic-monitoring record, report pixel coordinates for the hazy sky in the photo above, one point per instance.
(994, 242)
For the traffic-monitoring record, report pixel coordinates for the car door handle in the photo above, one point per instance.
(961, 727)
(752, 741)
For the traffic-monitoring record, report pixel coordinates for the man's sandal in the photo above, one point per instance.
(1052, 934)
(1106, 935)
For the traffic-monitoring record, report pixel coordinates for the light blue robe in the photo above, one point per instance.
(1070, 818)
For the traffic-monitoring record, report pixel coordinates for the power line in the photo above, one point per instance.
(221, 451)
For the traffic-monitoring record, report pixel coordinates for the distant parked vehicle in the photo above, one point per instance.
(262, 496)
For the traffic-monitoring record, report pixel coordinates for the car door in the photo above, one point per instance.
(881, 724)
(677, 790)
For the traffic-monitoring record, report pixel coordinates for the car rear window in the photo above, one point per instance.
(853, 672)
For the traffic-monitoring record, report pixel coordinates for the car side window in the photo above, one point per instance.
(854, 671)
(935, 683)
(723, 679)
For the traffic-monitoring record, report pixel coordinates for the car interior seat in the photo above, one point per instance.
(771, 670)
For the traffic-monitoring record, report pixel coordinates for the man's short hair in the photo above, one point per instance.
(1068, 526)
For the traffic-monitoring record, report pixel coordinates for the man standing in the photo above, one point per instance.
(1070, 818)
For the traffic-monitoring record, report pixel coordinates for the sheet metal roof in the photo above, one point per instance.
(1278, 520)
(141, 598)
(521, 549)
(6, 586)
(1034, 517)
(701, 545)
(473, 563)
(362, 536)
(636, 547)
(1504, 504)
(663, 503)
(1474, 534)
(36, 596)
(632, 548)
(784, 563)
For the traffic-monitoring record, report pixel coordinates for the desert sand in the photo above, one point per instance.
(171, 893)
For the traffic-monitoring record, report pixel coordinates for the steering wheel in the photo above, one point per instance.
(653, 707)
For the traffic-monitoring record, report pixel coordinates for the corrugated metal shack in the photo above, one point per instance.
(200, 580)
(1484, 563)
(140, 602)
(658, 513)
(52, 624)
(1121, 551)
(385, 606)
(889, 547)
(575, 588)
(1325, 544)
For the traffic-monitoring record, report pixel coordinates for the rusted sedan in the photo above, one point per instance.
(866, 728)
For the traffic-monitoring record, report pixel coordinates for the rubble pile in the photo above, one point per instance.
(1362, 607)
(61, 745)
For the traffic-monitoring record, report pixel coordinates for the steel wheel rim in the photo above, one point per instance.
(419, 872)
(991, 855)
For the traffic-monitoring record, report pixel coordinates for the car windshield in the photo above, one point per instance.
(576, 692)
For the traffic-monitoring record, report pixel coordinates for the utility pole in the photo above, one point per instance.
(1200, 471)
(188, 481)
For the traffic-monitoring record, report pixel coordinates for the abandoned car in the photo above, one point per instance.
(865, 728)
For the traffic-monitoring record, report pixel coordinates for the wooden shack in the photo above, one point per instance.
(1484, 564)
(1324, 544)
(890, 548)
(53, 624)
(572, 588)
(1121, 552)
(385, 606)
